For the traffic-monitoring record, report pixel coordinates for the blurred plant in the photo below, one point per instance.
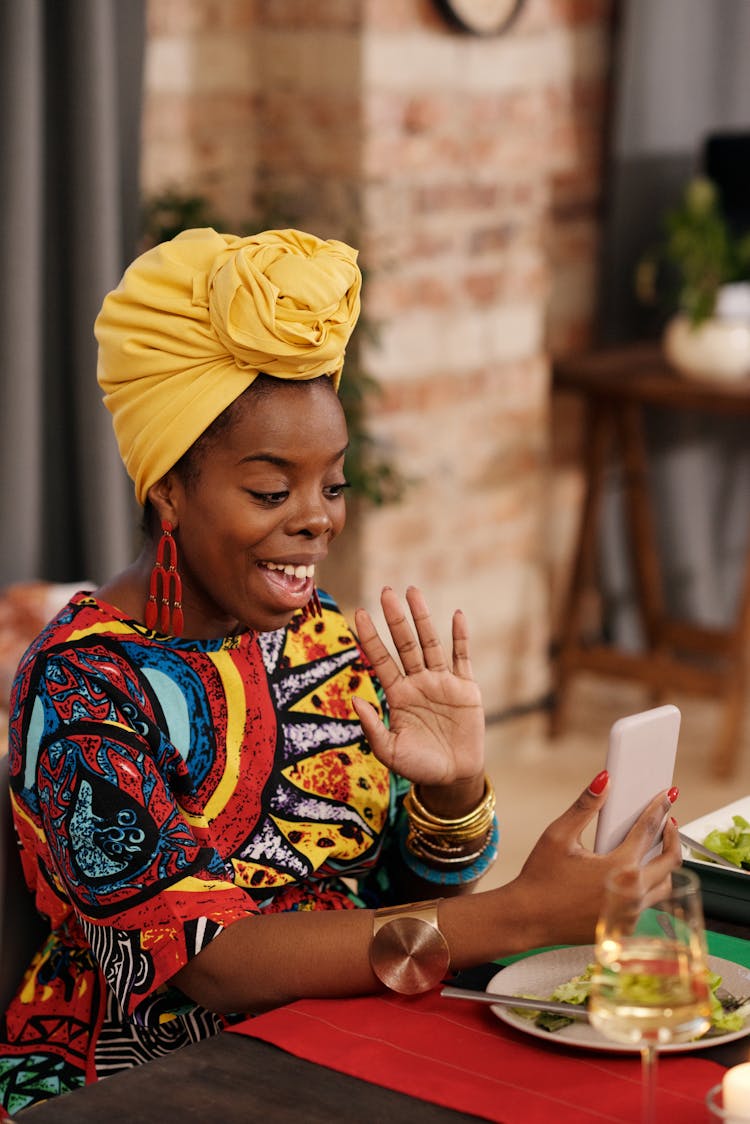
(164, 215)
(372, 476)
(698, 254)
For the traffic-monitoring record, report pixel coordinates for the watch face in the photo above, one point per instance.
(482, 17)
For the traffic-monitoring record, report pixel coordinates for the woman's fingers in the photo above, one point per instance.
(658, 870)
(431, 649)
(461, 659)
(568, 828)
(672, 845)
(401, 632)
(651, 881)
(648, 828)
(416, 652)
(374, 730)
(383, 663)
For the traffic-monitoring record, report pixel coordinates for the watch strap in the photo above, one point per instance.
(408, 952)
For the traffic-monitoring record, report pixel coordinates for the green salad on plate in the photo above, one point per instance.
(732, 844)
(727, 1013)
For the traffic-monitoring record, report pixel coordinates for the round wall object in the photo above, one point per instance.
(481, 17)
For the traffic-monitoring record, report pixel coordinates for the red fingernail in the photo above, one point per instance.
(673, 793)
(599, 783)
(673, 820)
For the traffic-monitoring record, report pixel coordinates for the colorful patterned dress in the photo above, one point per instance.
(163, 789)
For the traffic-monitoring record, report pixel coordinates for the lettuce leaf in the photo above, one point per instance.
(578, 989)
(732, 844)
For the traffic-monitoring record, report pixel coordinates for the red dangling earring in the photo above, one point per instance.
(165, 580)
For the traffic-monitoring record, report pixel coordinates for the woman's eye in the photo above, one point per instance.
(273, 499)
(270, 498)
(333, 491)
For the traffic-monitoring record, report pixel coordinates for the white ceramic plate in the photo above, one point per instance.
(542, 973)
(721, 819)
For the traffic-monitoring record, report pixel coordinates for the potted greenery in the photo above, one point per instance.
(701, 274)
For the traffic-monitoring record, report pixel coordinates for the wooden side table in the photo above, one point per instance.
(617, 384)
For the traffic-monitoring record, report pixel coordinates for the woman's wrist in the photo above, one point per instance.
(453, 800)
(450, 850)
(488, 924)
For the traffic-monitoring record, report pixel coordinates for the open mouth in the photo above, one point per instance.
(292, 583)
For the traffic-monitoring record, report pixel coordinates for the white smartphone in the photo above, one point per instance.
(640, 762)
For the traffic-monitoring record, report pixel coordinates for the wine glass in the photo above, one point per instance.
(651, 983)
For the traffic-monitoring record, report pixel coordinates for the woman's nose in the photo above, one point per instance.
(312, 518)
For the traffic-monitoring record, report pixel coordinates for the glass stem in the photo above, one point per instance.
(648, 1072)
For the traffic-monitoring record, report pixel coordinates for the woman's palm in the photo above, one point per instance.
(436, 729)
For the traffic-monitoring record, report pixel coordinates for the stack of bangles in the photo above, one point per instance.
(450, 851)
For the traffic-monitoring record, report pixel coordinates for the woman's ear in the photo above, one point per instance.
(162, 498)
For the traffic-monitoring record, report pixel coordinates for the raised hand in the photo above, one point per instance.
(436, 732)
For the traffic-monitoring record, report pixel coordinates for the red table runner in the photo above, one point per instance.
(461, 1056)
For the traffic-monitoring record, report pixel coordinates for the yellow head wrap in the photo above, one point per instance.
(196, 319)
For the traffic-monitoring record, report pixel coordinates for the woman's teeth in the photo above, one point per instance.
(290, 570)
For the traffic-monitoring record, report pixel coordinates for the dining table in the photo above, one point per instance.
(407, 1059)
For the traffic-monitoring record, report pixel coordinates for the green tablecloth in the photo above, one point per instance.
(719, 944)
(729, 948)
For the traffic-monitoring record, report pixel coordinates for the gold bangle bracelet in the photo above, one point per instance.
(468, 822)
(443, 846)
(408, 953)
(449, 844)
(438, 857)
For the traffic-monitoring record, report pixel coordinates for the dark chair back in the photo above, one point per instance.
(22, 930)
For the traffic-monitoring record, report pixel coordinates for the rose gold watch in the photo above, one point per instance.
(408, 952)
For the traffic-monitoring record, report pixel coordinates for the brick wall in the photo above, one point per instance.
(468, 170)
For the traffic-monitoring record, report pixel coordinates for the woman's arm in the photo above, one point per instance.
(435, 733)
(268, 960)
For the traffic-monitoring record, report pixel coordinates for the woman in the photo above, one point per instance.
(215, 814)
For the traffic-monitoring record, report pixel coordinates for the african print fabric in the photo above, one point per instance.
(163, 789)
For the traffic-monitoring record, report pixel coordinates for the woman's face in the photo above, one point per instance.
(262, 509)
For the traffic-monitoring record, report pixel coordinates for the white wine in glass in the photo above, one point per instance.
(651, 984)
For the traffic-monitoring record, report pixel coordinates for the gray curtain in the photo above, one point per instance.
(70, 98)
(681, 74)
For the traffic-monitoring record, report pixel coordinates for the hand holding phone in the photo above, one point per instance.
(640, 762)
